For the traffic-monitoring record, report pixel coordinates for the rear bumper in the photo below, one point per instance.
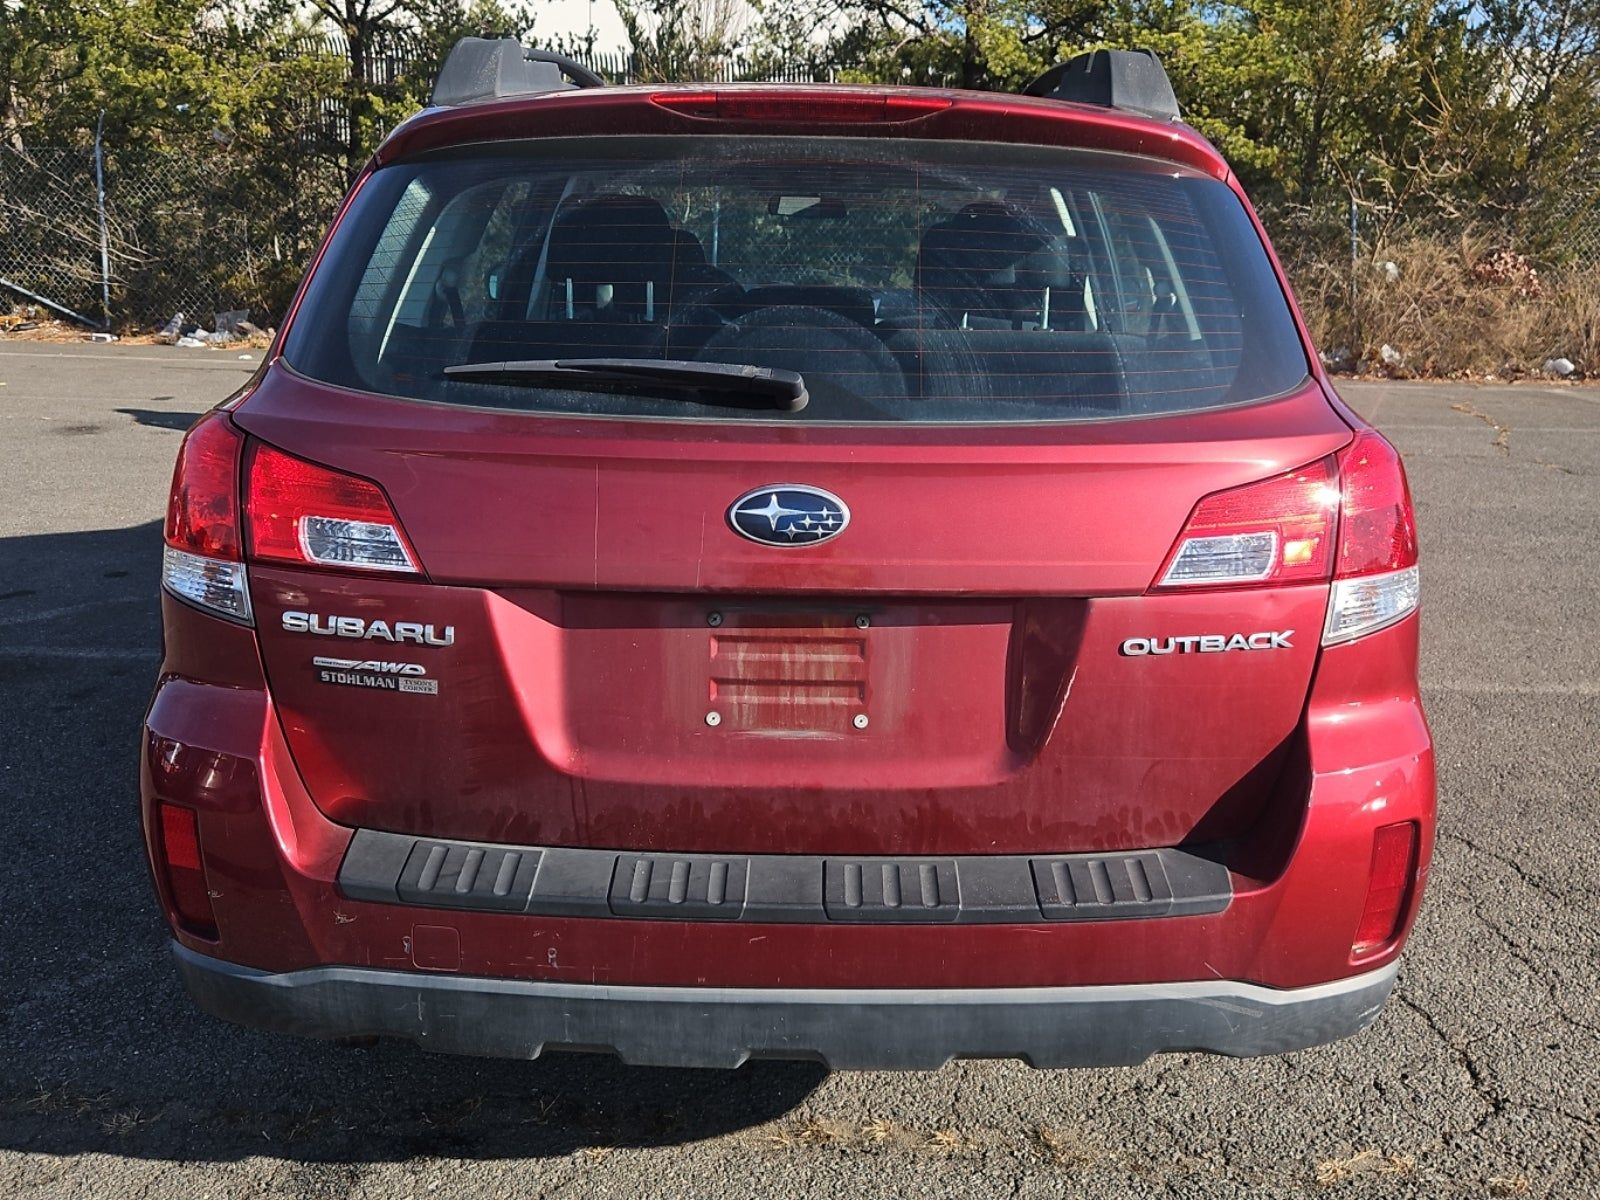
(846, 1028)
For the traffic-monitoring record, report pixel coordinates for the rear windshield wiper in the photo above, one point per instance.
(729, 385)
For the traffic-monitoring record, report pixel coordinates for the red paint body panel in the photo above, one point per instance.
(579, 719)
(971, 117)
(602, 609)
(1360, 758)
(515, 499)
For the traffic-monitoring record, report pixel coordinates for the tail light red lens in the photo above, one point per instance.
(1278, 531)
(1394, 867)
(1375, 573)
(203, 507)
(302, 513)
(800, 107)
(1348, 518)
(1378, 528)
(184, 870)
(201, 561)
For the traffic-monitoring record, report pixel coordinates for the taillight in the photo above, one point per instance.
(201, 562)
(1348, 517)
(179, 833)
(1375, 573)
(1278, 531)
(302, 513)
(1394, 863)
(800, 107)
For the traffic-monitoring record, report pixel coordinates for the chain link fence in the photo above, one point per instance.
(190, 229)
(207, 227)
(50, 229)
(1578, 218)
(202, 228)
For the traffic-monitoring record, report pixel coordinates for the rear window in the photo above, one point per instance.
(902, 280)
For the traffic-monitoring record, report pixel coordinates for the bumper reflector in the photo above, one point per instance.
(185, 873)
(1394, 864)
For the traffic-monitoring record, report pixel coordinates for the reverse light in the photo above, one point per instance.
(1376, 581)
(1394, 864)
(1278, 531)
(302, 513)
(201, 562)
(179, 838)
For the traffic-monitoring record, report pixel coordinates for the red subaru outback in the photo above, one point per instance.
(866, 574)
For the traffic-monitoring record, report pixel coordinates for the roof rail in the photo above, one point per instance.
(1131, 80)
(482, 69)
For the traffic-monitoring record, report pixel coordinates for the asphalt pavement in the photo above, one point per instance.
(1481, 1078)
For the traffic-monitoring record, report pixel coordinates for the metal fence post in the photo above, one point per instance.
(100, 207)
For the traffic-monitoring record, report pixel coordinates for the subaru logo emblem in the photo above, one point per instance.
(788, 514)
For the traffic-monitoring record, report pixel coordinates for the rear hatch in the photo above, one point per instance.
(636, 626)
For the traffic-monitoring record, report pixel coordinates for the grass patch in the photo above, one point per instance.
(1450, 308)
(1368, 1162)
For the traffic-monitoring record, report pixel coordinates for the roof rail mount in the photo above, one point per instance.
(484, 69)
(1131, 80)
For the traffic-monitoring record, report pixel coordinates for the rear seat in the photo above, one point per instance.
(614, 269)
(1078, 371)
(985, 281)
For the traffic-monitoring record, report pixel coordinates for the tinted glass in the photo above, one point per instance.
(905, 281)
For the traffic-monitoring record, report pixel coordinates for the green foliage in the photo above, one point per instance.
(1424, 114)
(1420, 111)
(681, 39)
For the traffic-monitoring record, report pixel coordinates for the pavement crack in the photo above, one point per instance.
(1495, 1103)
(1502, 438)
(1502, 433)
(1539, 971)
(1512, 865)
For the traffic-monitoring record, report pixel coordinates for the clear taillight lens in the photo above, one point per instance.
(299, 512)
(1277, 531)
(1376, 582)
(211, 583)
(1348, 517)
(1365, 605)
(201, 561)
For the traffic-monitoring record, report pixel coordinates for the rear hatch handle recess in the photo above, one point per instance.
(730, 385)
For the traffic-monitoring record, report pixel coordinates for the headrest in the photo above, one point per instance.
(979, 242)
(617, 208)
(612, 237)
(687, 250)
(971, 258)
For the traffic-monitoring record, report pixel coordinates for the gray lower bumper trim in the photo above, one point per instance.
(874, 1029)
(1007, 889)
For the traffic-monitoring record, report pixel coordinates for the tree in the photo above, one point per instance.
(417, 32)
(683, 39)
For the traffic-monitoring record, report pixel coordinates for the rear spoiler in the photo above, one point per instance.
(483, 69)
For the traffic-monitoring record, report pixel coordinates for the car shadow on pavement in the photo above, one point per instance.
(158, 418)
(104, 1051)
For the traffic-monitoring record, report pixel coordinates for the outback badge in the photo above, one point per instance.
(788, 514)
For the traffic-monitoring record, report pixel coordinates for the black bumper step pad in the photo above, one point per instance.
(394, 868)
(686, 886)
(468, 875)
